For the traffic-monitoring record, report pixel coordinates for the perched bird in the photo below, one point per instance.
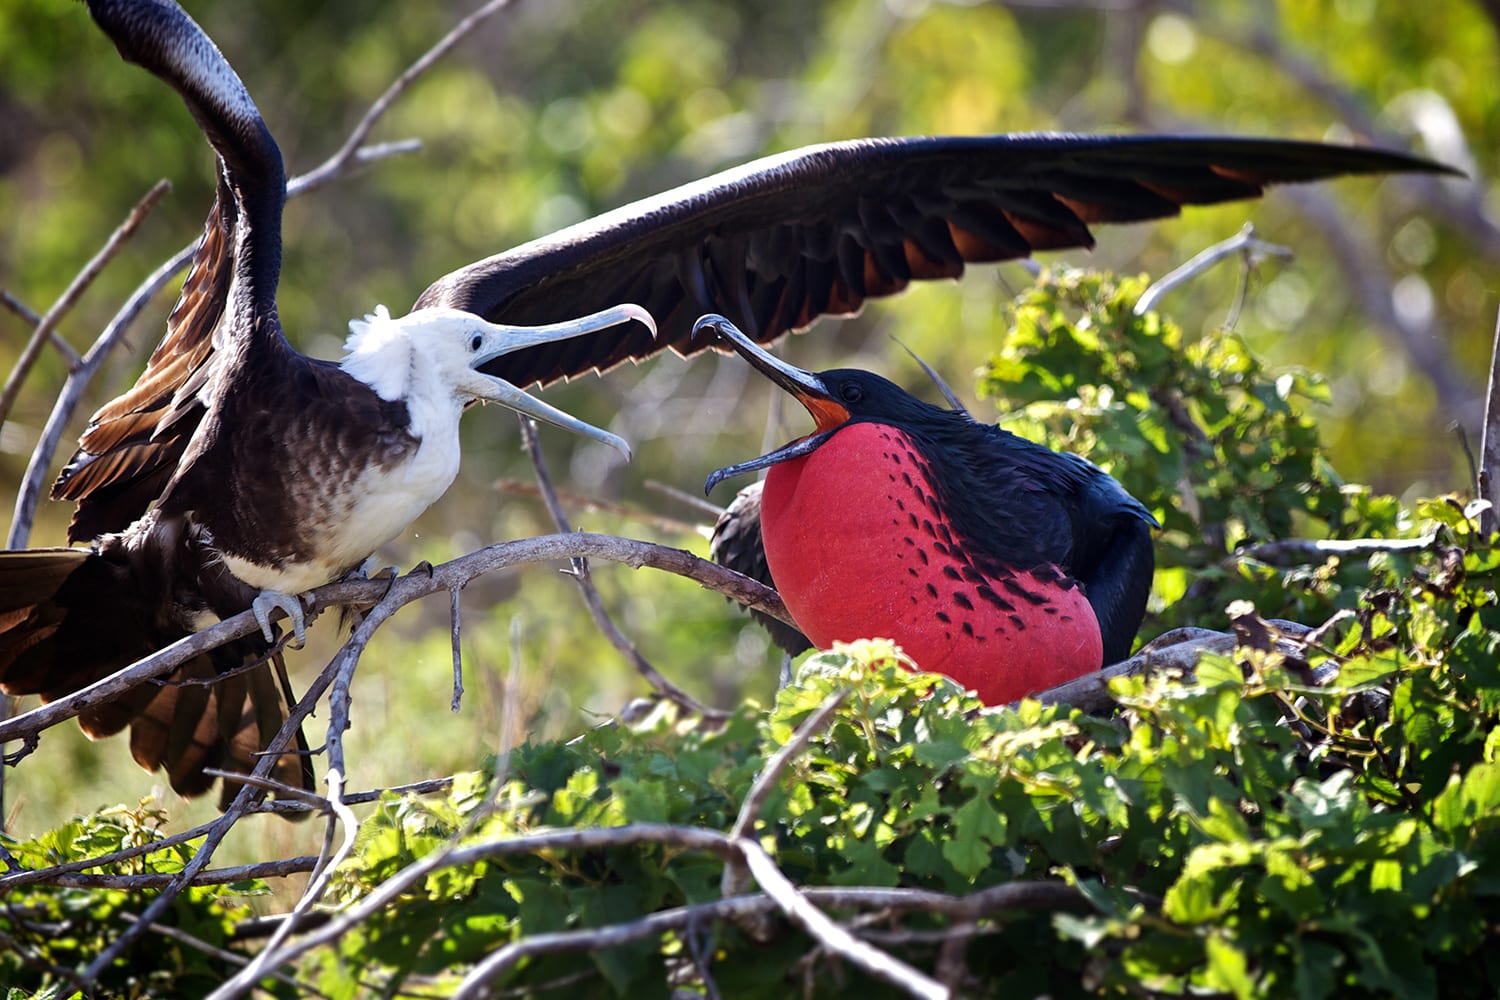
(266, 473)
(779, 241)
(987, 557)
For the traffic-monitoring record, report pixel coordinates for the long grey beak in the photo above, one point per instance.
(805, 386)
(493, 389)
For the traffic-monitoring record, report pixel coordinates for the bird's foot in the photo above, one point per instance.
(371, 569)
(290, 605)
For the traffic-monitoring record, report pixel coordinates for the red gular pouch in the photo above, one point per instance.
(859, 547)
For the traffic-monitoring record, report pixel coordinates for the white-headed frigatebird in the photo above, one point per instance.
(990, 558)
(208, 434)
(266, 473)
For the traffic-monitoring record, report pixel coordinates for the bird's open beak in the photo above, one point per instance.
(492, 389)
(828, 413)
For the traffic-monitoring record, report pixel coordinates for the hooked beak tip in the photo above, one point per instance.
(641, 316)
(710, 321)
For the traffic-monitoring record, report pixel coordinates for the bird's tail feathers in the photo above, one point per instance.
(71, 617)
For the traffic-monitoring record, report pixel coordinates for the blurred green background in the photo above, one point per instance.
(558, 109)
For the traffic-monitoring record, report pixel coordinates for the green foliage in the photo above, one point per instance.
(1220, 447)
(68, 927)
(1241, 833)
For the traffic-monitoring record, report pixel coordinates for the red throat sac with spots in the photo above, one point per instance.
(860, 547)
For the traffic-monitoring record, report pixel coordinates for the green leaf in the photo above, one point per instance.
(977, 828)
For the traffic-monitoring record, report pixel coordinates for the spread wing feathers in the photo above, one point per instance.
(69, 618)
(133, 443)
(783, 240)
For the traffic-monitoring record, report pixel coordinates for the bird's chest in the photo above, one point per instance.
(348, 501)
(860, 546)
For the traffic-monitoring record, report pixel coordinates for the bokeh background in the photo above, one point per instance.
(555, 110)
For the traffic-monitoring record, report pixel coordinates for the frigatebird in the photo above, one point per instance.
(266, 472)
(987, 557)
(780, 241)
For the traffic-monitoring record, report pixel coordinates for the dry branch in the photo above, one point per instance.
(835, 938)
(1244, 244)
(591, 599)
(404, 590)
(80, 283)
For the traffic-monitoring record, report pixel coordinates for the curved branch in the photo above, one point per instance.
(404, 590)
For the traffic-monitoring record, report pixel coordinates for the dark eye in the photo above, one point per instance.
(476, 342)
(851, 393)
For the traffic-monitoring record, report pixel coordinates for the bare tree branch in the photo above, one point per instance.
(340, 160)
(33, 319)
(1488, 486)
(1244, 243)
(590, 593)
(1178, 650)
(81, 281)
(223, 955)
(736, 875)
(588, 504)
(405, 589)
(833, 937)
(1299, 550)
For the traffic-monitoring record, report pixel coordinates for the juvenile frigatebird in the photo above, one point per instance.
(267, 473)
(987, 557)
(781, 240)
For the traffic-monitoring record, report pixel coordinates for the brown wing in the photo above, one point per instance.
(779, 242)
(70, 617)
(132, 445)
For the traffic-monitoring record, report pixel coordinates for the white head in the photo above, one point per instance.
(436, 352)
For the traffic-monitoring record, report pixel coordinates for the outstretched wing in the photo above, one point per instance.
(783, 240)
(133, 443)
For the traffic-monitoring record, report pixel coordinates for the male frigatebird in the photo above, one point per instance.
(781, 241)
(990, 558)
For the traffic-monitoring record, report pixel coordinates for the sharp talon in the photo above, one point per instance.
(290, 605)
(371, 569)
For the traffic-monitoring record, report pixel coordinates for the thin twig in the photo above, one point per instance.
(690, 500)
(1243, 243)
(830, 935)
(335, 164)
(341, 815)
(458, 659)
(274, 955)
(30, 315)
(1177, 650)
(38, 467)
(590, 593)
(736, 875)
(1488, 486)
(222, 954)
(243, 799)
(594, 505)
(1318, 549)
(80, 284)
(207, 876)
(19, 876)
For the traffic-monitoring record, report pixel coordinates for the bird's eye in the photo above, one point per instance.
(475, 344)
(851, 393)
